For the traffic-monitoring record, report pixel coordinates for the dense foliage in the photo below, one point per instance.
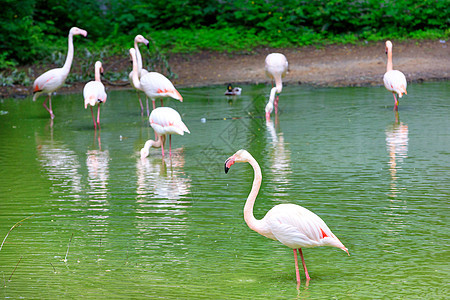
(32, 29)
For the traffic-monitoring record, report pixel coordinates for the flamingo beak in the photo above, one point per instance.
(386, 50)
(228, 163)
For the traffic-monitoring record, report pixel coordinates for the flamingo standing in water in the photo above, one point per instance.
(394, 80)
(53, 79)
(276, 67)
(290, 224)
(165, 121)
(141, 71)
(154, 84)
(94, 92)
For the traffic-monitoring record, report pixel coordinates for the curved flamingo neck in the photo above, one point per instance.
(69, 58)
(273, 92)
(278, 83)
(138, 56)
(249, 218)
(389, 60)
(135, 74)
(97, 73)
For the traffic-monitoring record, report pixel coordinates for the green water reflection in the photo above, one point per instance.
(175, 229)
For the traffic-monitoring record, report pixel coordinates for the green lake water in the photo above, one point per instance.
(174, 228)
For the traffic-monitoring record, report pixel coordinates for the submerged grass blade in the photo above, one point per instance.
(12, 228)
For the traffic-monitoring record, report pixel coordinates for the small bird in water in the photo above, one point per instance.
(232, 91)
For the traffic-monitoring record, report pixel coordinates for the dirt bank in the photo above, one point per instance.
(337, 65)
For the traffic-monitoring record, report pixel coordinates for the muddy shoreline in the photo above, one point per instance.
(335, 65)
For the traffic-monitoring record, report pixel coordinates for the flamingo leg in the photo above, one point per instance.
(170, 145)
(162, 146)
(276, 105)
(50, 111)
(93, 119)
(140, 103)
(162, 102)
(304, 265)
(396, 102)
(148, 111)
(297, 273)
(154, 106)
(98, 116)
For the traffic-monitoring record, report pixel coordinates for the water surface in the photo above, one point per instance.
(175, 229)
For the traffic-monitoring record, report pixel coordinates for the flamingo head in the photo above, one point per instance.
(145, 151)
(78, 31)
(269, 108)
(140, 39)
(388, 46)
(240, 156)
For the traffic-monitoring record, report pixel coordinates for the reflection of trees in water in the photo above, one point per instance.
(397, 146)
(279, 157)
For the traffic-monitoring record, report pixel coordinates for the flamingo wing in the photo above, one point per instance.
(395, 81)
(156, 85)
(298, 227)
(49, 81)
(166, 120)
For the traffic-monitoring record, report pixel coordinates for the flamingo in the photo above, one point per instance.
(292, 225)
(165, 121)
(394, 80)
(154, 84)
(94, 92)
(276, 67)
(53, 79)
(139, 39)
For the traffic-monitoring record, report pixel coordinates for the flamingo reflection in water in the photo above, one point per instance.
(397, 145)
(279, 156)
(61, 165)
(156, 179)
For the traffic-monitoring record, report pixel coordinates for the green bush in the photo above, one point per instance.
(32, 29)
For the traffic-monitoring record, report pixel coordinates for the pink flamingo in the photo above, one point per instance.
(53, 79)
(141, 71)
(394, 80)
(153, 84)
(94, 92)
(290, 224)
(165, 121)
(276, 67)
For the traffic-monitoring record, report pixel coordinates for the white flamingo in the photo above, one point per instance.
(94, 93)
(394, 80)
(165, 121)
(276, 66)
(53, 79)
(141, 71)
(153, 84)
(292, 225)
